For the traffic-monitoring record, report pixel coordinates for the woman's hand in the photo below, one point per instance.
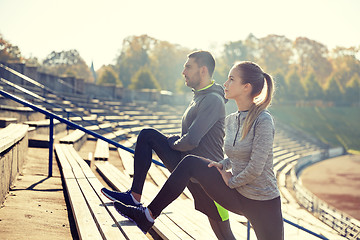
(224, 174)
(215, 164)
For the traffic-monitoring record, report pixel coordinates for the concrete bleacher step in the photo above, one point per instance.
(43, 126)
(127, 160)
(76, 138)
(21, 113)
(101, 150)
(6, 121)
(11, 134)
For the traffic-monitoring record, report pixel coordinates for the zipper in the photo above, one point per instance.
(238, 128)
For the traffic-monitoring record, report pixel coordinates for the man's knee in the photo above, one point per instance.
(146, 134)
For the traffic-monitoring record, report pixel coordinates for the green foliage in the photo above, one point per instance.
(333, 90)
(281, 88)
(107, 75)
(235, 51)
(165, 60)
(352, 92)
(9, 52)
(295, 88)
(144, 79)
(312, 88)
(67, 63)
(337, 126)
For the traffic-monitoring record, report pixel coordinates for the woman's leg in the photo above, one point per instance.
(209, 178)
(222, 229)
(148, 140)
(266, 218)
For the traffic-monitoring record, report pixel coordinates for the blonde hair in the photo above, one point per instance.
(252, 73)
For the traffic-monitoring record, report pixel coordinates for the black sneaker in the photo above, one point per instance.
(135, 214)
(123, 197)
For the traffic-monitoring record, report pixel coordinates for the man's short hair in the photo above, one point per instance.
(204, 58)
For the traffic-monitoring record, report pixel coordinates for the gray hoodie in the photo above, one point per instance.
(203, 125)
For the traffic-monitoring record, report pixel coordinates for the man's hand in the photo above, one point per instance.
(172, 138)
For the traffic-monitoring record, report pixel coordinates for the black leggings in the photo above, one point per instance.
(264, 216)
(150, 139)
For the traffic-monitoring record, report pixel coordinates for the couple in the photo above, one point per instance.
(196, 158)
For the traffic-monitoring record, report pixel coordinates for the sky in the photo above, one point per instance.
(97, 28)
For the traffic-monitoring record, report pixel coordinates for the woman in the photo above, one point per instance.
(250, 189)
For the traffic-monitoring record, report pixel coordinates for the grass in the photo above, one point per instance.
(337, 126)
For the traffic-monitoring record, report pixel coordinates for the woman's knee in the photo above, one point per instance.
(192, 163)
(190, 160)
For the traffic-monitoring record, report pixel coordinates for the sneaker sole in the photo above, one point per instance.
(116, 200)
(127, 217)
(108, 196)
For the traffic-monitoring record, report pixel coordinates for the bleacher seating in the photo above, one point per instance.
(75, 138)
(13, 149)
(93, 216)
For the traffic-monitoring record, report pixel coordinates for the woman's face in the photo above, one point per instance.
(234, 88)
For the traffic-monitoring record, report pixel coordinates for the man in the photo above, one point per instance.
(202, 134)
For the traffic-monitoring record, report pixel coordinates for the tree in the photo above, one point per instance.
(312, 88)
(312, 56)
(281, 88)
(345, 64)
(252, 46)
(134, 55)
(235, 51)
(144, 79)
(333, 91)
(67, 63)
(107, 75)
(166, 63)
(275, 53)
(352, 92)
(8, 52)
(295, 88)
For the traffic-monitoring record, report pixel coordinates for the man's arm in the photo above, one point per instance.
(211, 109)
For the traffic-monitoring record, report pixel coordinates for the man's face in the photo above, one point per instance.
(191, 73)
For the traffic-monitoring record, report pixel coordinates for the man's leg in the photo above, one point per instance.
(148, 140)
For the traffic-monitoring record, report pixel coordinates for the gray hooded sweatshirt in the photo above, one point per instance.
(203, 123)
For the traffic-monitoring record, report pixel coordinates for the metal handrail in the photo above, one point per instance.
(43, 88)
(36, 96)
(69, 123)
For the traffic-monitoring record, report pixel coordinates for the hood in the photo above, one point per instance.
(216, 88)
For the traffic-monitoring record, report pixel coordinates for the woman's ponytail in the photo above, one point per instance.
(256, 78)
